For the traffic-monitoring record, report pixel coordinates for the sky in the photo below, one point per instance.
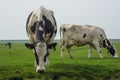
(102, 13)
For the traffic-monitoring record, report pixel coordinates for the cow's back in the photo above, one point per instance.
(44, 18)
(93, 31)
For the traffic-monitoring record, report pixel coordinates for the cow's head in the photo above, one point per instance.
(40, 52)
(110, 48)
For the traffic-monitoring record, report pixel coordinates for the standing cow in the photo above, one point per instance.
(41, 29)
(8, 45)
(80, 35)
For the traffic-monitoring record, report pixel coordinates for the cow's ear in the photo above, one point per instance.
(51, 46)
(30, 46)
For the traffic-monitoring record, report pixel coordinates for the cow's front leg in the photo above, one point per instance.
(41, 67)
(96, 43)
(47, 63)
(90, 51)
(46, 58)
(36, 63)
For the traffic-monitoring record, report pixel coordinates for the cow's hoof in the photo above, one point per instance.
(41, 71)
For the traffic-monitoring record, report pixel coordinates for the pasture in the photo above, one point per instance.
(18, 64)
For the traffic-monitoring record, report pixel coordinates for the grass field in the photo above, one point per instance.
(18, 64)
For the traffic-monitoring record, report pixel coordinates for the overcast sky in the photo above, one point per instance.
(102, 13)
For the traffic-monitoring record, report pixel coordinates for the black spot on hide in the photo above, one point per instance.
(84, 35)
(101, 35)
(108, 42)
(104, 45)
(64, 29)
(40, 33)
(49, 28)
(111, 50)
(36, 57)
(41, 24)
(54, 20)
(40, 37)
(28, 19)
(46, 56)
(34, 26)
(109, 47)
(55, 31)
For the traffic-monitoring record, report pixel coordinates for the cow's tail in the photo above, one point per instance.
(62, 31)
(61, 36)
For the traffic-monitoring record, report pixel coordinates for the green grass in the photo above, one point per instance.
(18, 64)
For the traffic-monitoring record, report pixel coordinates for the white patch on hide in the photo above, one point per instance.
(41, 29)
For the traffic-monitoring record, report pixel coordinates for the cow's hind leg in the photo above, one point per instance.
(62, 48)
(69, 52)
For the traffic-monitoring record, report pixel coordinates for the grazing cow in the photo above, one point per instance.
(41, 29)
(8, 45)
(80, 35)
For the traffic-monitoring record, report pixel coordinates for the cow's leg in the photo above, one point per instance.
(46, 58)
(41, 67)
(69, 52)
(36, 58)
(62, 48)
(96, 43)
(10, 46)
(90, 51)
(47, 63)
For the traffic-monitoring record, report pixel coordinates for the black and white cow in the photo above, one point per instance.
(80, 35)
(41, 29)
(8, 45)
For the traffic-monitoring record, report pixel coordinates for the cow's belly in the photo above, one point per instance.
(79, 40)
(82, 42)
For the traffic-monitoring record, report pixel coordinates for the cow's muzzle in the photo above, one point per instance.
(41, 71)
